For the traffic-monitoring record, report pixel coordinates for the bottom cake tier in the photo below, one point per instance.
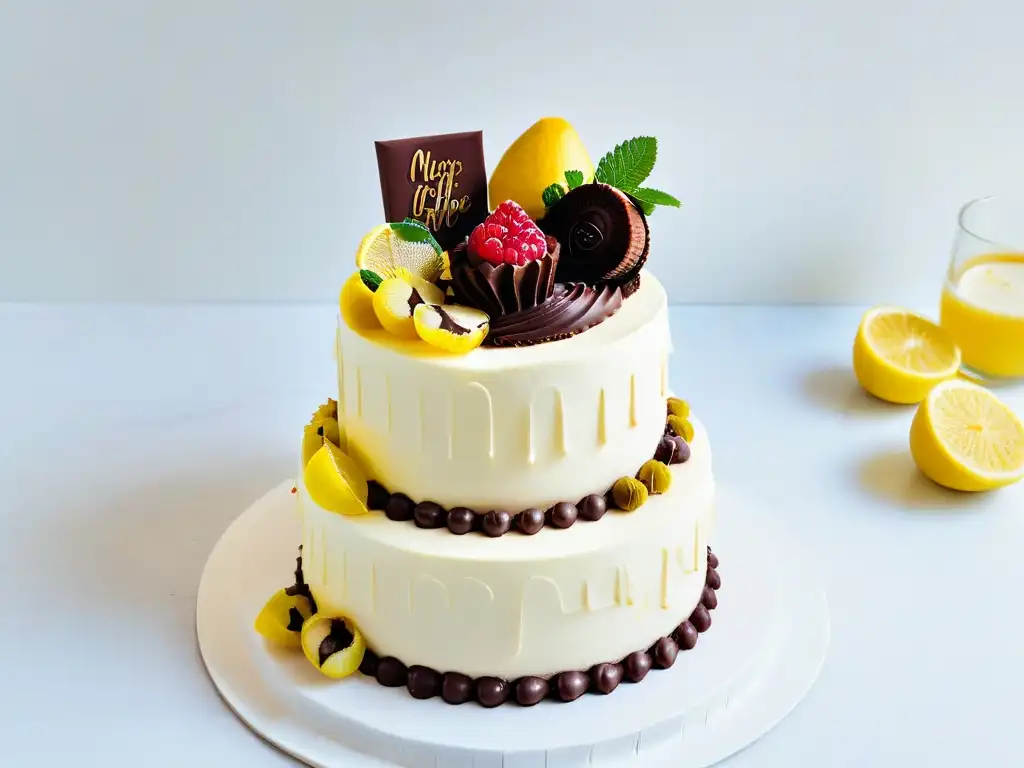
(516, 606)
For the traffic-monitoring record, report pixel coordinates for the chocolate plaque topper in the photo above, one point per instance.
(439, 180)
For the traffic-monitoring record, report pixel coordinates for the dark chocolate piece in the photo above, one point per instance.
(391, 673)
(529, 521)
(666, 450)
(500, 289)
(492, 691)
(531, 690)
(636, 666)
(368, 666)
(572, 309)
(713, 579)
(682, 450)
(712, 559)
(562, 515)
(423, 682)
(438, 180)
(300, 587)
(603, 233)
(456, 688)
(461, 520)
(295, 620)
(606, 677)
(686, 636)
(592, 508)
(700, 618)
(496, 523)
(569, 686)
(338, 639)
(429, 515)
(664, 652)
(709, 597)
(376, 496)
(400, 507)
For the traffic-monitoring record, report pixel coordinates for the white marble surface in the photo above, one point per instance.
(133, 435)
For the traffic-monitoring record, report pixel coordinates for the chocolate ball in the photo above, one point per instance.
(391, 673)
(700, 618)
(682, 452)
(399, 507)
(712, 559)
(376, 496)
(492, 691)
(497, 523)
(709, 598)
(713, 579)
(636, 666)
(456, 688)
(531, 690)
(666, 450)
(562, 515)
(592, 508)
(686, 635)
(664, 652)
(461, 520)
(529, 521)
(606, 677)
(368, 666)
(423, 682)
(569, 686)
(429, 515)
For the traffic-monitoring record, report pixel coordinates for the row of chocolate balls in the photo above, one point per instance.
(627, 493)
(456, 688)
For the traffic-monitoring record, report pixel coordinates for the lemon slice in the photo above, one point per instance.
(965, 438)
(335, 481)
(384, 250)
(899, 356)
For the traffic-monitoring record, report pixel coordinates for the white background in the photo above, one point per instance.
(223, 149)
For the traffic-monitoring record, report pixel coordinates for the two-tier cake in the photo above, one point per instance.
(503, 502)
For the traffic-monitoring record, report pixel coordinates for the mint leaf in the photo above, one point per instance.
(574, 179)
(370, 279)
(629, 164)
(643, 205)
(552, 194)
(655, 197)
(413, 231)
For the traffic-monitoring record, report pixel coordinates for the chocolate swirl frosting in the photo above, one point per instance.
(571, 309)
(501, 289)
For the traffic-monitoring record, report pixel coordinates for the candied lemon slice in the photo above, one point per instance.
(333, 644)
(335, 481)
(282, 618)
(965, 438)
(384, 252)
(397, 297)
(452, 327)
(898, 356)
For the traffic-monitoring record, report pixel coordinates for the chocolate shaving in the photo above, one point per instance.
(295, 620)
(572, 309)
(501, 289)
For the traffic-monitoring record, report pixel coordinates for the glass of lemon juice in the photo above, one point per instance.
(982, 305)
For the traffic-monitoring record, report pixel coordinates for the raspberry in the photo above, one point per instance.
(508, 236)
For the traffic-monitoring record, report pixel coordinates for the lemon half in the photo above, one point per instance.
(384, 252)
(965, 438)
(899, 355)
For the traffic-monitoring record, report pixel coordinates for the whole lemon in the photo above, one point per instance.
(538, 158)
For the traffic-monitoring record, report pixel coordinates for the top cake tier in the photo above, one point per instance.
(508, 428)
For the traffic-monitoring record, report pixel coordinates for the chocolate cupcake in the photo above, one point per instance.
(501, 289)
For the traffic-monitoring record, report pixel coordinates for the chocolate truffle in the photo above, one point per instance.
(700, 618)
(399, 507)
(664, 652)
(562, 515)
(456, 688)
(391, 673)
(531, 690)
(492, 691)
(461, 520)
(571, 685)
(423, 682)
(376, 496)
(497, 523)
(529, 521)
(686, 636)
(636, 666)
(606, 677)
(592, 507)
(429, 515)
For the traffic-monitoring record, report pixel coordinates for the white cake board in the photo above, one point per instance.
(763, 652)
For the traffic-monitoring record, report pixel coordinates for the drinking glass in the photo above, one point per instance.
(982, 305)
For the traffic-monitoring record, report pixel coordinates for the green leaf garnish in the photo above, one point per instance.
(629, 164)
(370, 279)
(643, 205)
(574, 179)
(413, 231)
(655, 197)
(552, 194)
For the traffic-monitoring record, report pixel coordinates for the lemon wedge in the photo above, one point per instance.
(899, 356)
(965, 438)
(384, 251)
(335, 481)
